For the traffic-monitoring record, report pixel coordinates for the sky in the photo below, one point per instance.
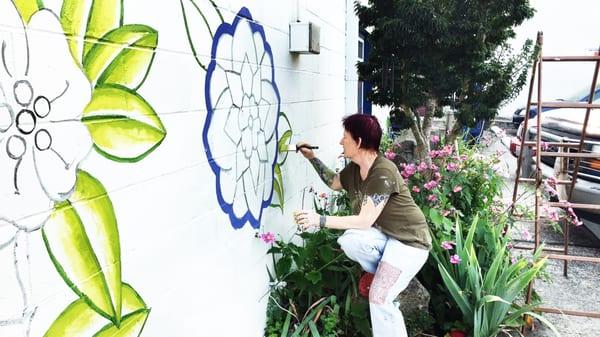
(570, 28)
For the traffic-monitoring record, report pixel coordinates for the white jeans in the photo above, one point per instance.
(394, 265)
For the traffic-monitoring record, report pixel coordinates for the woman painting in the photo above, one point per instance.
(387, 235)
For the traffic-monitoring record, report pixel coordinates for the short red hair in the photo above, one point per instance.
(364, 127)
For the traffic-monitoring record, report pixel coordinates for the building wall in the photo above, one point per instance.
(137, 165)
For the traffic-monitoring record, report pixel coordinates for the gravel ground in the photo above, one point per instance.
(579, 289)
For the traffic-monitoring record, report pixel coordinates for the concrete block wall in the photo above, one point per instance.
(112, 158)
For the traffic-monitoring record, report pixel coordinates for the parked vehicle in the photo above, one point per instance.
(581, 96)
(566, 125)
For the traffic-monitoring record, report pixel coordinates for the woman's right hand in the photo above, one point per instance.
(307, 153)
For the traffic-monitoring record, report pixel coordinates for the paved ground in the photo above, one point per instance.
(579, 290)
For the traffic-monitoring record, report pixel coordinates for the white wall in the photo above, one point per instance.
(570, 28)
(178, 248)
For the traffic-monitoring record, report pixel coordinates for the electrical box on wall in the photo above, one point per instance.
(304, 38)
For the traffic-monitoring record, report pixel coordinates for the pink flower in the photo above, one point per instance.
(433, 167)
(416, 189)
(432, 198)
(455, 259)
(452, 167)
(526, 234)
(544, 146)
(267, 237)
(437, 176)
(435, 139)
(430, 185)
(447, 245)
(389, 154)
(553, 215)
(457, 189)
(446, 212)
(323, 195)
(422, 167)
(409, 171)
(513, 260)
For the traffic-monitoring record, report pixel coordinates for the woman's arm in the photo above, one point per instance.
(371, 208)
(329, 177)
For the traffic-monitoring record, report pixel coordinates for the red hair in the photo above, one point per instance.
(364, 127)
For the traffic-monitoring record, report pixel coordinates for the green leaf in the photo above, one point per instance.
(284, 128)
(123, 126)
(314, 276)
(84, 22)
(78, 319)
(123, 56)
(27, 8)
(82, 239)
(279, 178)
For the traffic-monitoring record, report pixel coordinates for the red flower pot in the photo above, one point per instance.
(364, 284)
(457, 333)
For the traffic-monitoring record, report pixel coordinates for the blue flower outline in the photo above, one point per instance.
(229, 29)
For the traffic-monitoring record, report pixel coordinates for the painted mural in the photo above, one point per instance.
(61, 98)
(244, 127)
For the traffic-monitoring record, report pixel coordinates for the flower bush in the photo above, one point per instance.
(462, 186)
(314, 286)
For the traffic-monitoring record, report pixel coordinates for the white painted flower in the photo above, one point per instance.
(42, 95)
(240, 134)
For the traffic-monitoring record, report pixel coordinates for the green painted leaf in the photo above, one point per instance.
(284, 128)
(27, 8)
(123, 56)
(279, 178)
(123, 126)
(82, 239)
(78, 319)
(86, 21)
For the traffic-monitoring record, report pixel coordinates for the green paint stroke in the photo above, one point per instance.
(123, 56)
(86, 21)
(27, 8)
(82, 240)
(123, 126)
(78, 319)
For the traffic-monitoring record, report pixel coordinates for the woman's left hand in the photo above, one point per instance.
(306, 218)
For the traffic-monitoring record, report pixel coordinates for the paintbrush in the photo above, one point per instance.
(295, 148)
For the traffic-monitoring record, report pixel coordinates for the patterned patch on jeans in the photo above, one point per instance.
(385, 277)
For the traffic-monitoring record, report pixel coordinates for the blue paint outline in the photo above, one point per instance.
(229, 29)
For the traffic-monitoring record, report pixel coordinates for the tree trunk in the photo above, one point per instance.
(421, 131)
(454, 132)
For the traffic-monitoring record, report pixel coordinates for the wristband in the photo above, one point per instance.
(322, 220)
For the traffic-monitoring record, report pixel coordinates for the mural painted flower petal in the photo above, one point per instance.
(216, 92)
(54, 75)
(222, 148)
(259, 49)
(28, 7)
(266, 67)
(79, 320)
(71, 139)
(223, 55)
(57, 179)
(243, 44)
(82, 239)
(15, 54)
(124, 56)
(30, 206)
(251, 187)
(234, 82)
(86, 21)
(124, 127)
(269, 109)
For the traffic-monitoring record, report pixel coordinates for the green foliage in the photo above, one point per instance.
(486, 297)
(308, 279)
(452, 52)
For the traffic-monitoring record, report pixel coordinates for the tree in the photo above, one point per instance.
(436, 53)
